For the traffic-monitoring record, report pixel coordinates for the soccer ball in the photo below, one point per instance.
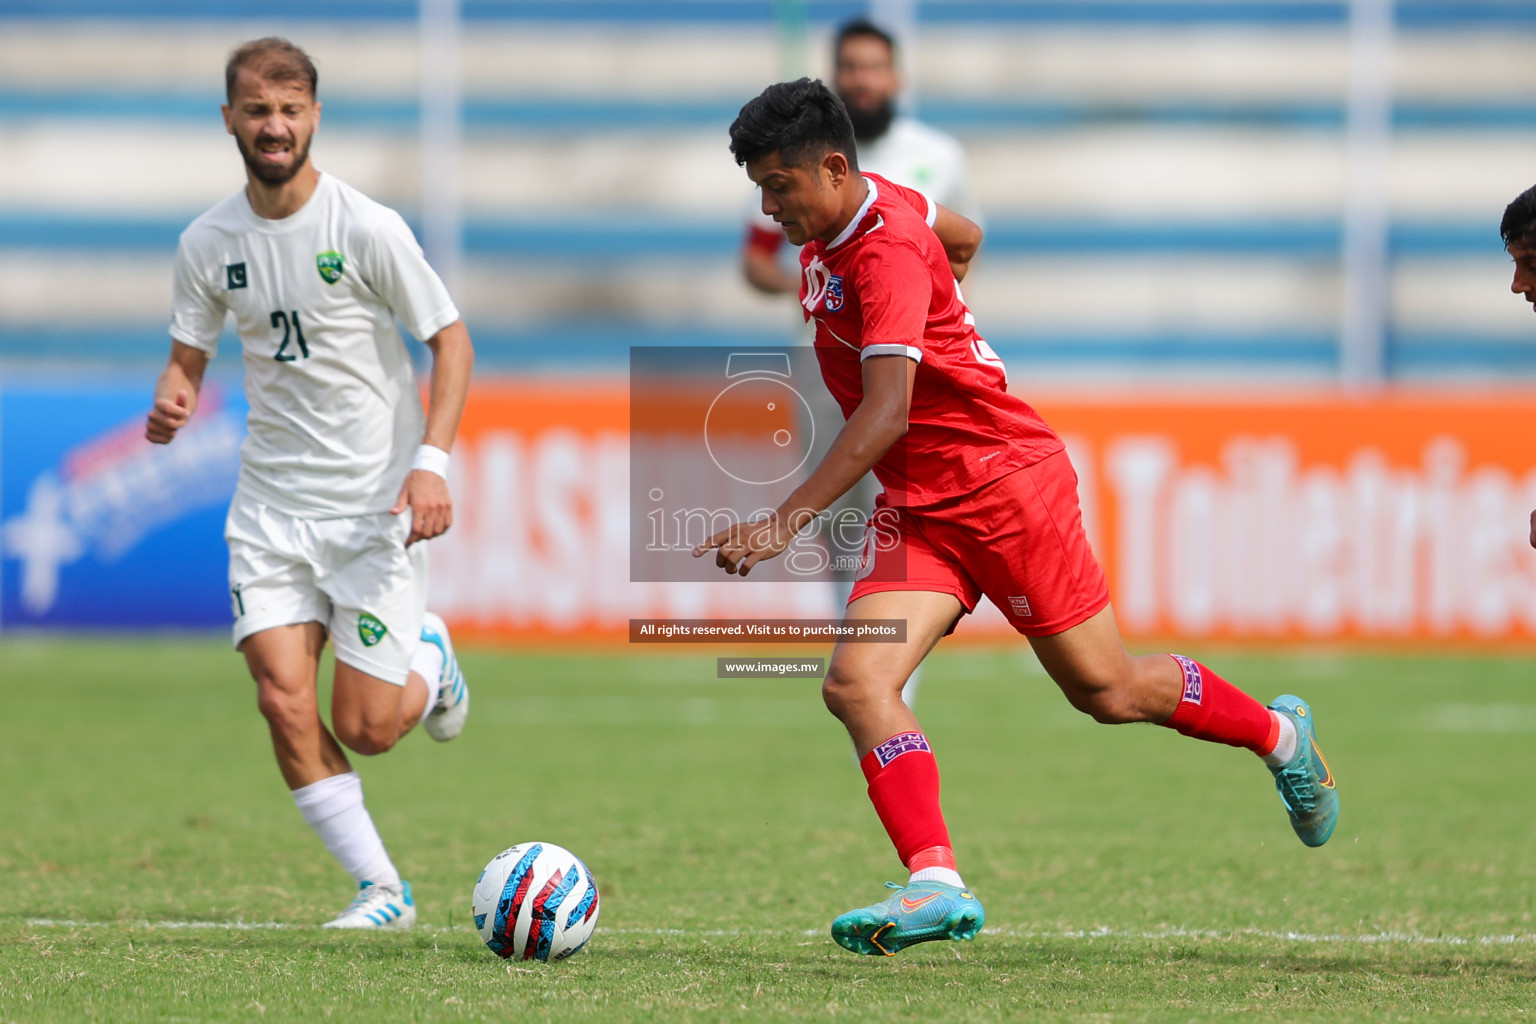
(535, 901)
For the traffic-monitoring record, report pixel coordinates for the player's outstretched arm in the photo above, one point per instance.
(961, 238)
(878, 422)
(425, 491)
(176, 392)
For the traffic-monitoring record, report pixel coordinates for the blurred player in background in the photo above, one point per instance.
(891, 145)
(894, 146)
(1518, 230)
(979, 498)
(341, 472)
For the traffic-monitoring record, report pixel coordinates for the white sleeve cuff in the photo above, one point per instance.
(211, 345)
(933, 209)
(427, 328)
(912, 352)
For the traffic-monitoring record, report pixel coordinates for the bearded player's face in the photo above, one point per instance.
(272, 123)
(802, 200)
(866, 80)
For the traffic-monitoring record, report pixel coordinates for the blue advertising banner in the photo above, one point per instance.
(98, 527)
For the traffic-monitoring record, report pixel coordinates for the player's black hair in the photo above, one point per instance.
(1519, 224)
(272, 58)
(802, 121)
(861, 27)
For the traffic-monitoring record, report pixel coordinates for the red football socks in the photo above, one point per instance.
(1213, 709)
(904, 787)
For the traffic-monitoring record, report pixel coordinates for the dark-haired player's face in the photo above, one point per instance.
(272, 123)
(801, 200)
(865, 76)
(1525, 272)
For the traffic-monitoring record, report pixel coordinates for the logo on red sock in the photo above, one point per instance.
(1193, 683)
(901, 743)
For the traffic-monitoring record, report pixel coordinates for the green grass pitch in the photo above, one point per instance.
(1128, 873)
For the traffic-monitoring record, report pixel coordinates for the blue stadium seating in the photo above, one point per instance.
(1114, 143)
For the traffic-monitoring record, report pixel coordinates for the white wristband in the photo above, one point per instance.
(432, 459)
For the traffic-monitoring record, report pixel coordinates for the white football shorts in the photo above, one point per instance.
(353, 575)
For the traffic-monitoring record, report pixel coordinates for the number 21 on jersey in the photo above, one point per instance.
(289, 322)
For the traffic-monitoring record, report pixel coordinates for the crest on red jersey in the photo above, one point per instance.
(834, 301)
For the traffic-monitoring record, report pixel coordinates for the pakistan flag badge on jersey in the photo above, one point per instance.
(370, 630)
(330, 264)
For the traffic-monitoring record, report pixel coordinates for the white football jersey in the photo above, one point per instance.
(336, 414)
(911, 153)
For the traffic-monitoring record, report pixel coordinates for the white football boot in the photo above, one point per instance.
(446, 718)
(378, 906)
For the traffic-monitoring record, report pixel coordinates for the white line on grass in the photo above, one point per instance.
(1163, 934)
(238, 926)
(1372, 939)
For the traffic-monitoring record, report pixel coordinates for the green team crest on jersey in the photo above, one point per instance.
(370, 630)
(330, 264)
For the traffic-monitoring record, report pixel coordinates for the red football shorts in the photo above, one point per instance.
(1019, 540)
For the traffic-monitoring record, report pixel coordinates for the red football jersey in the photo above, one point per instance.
(884, 287)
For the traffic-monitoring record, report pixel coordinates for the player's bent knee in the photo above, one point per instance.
(833, 695)
(845, 690)
(366, 742)
(366, 738)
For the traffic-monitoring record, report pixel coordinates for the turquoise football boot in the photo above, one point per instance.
(1305, 783)
(445, 719)
(919, 912)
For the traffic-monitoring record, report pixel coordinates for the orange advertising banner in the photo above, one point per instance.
(1312, 517)
(1273, 518)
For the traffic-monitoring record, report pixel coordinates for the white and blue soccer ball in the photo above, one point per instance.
(535, 901)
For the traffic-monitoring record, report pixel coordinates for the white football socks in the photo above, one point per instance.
(334, 808)
(1285, 746)
(427, 662)
(949, 876)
